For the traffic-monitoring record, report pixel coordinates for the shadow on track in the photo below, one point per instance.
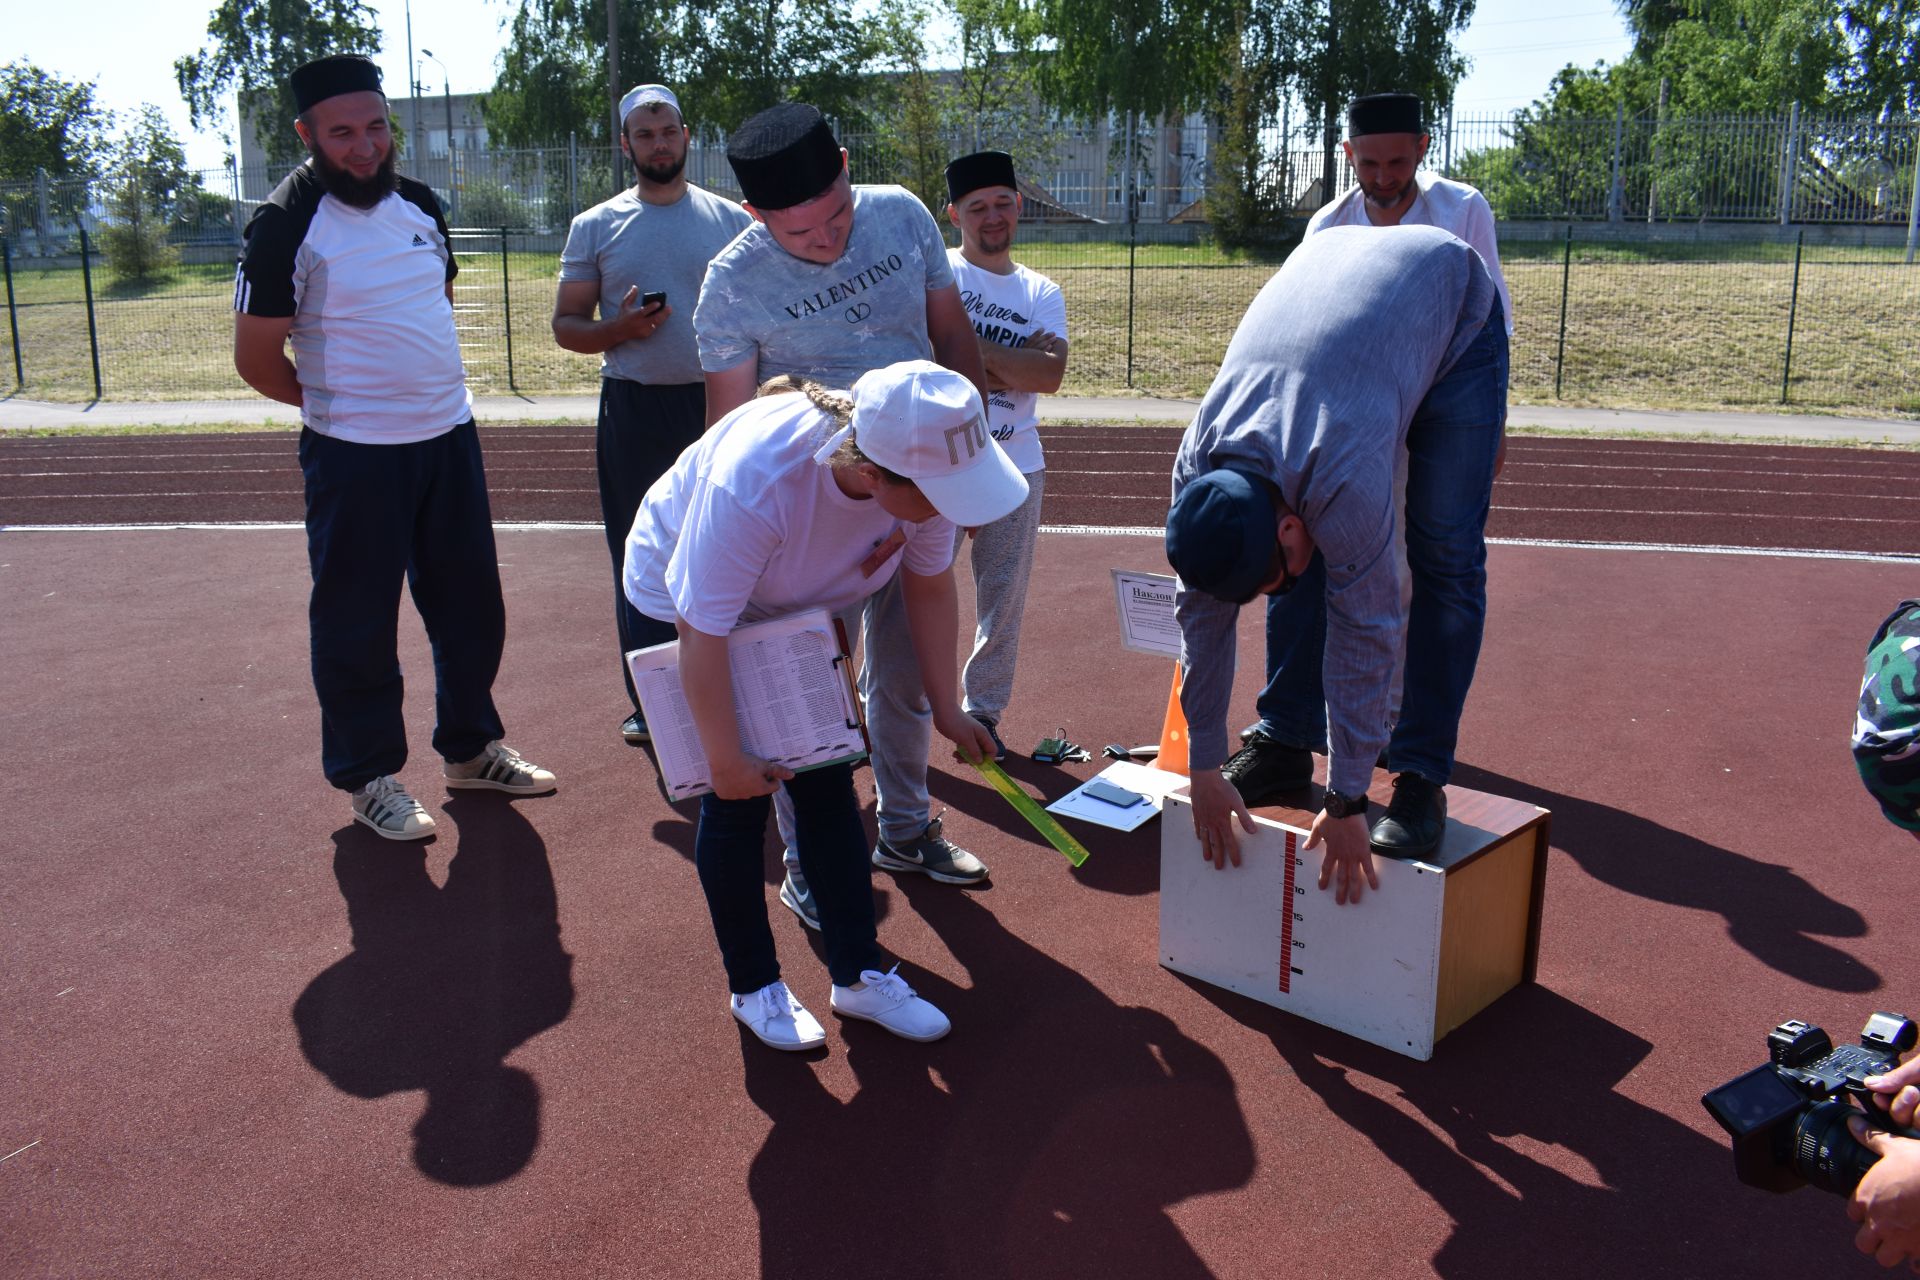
(1771, 912)
(443, 984)
(1046, 1137)
(1523, 1131)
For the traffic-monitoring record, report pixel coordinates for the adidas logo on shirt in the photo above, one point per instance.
(417, 239)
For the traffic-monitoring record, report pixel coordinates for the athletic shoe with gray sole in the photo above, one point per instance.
(931, 854)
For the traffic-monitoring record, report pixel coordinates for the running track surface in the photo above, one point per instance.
(1582, 490)
(239, 1036)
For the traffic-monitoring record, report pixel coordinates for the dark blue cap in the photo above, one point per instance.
(1221, 534)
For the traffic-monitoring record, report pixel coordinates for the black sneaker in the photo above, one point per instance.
(634, 729)
(999, 747)
(1415, 821)
(1263, 771)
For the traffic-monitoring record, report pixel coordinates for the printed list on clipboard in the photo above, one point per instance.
(793, 699)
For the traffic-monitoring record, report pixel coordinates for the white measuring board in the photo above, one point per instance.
(1372, 969)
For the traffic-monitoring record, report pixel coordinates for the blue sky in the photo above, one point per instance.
(1516, 46)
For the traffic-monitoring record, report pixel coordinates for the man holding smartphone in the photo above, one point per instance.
(633, 258)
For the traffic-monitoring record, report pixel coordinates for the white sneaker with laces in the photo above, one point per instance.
(886, 998)
(779, 1020)
(500, 768)
(384, 805)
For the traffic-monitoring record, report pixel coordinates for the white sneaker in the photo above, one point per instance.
(500, 768)
(780, 1021)
(886, 998)
(384, 805)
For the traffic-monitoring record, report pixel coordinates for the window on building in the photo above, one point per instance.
(1072, 186)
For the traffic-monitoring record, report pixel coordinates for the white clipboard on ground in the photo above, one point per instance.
(1150, 784)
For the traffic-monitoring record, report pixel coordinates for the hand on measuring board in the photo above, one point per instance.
(1216, 803)
(1348, 857)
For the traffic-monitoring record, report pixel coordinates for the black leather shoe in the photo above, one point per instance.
(1263, 771)
(1416, 818)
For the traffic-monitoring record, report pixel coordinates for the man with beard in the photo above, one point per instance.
(1283, 487)
(1386, 142)
(351, 264)
(1021, 319)
(655, 238)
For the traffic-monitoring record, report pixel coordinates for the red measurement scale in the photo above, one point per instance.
(1288, 914)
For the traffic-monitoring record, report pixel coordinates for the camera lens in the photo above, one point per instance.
(1825, 1152)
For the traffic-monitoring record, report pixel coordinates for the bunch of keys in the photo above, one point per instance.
(1058, 750)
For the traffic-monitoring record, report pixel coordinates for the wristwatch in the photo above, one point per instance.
(1339, 806)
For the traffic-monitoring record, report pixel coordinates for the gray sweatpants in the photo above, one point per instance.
(899, 720)
(1002, 564)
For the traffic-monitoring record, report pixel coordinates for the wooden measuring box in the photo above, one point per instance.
(1439, 941)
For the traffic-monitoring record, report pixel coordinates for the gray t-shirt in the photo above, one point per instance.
(1316, 392)
(830, 322)
(625, 242)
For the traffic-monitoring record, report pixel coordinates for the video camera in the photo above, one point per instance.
(1789, 1118)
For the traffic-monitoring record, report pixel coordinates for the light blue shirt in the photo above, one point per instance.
(1316, 392)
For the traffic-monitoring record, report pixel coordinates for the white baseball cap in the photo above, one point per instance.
(925, 422)
(647, 95)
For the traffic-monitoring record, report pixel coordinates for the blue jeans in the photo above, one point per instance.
(1451, 445)
(727, 851)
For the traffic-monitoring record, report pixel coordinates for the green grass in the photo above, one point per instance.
(1648, 326)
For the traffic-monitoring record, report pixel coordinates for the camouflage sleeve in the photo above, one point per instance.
(1886, 729)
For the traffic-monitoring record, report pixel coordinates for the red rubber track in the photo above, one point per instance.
(241, 1036)
(1717, 493)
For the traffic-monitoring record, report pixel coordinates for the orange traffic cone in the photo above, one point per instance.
(1173, 732)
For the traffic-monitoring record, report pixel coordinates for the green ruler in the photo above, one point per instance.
(1042, 821)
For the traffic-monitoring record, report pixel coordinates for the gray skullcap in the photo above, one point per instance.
(647, 95)
(981, 169)
(784, 156)
(1384, 113)
(333, 75)
(1221, 534)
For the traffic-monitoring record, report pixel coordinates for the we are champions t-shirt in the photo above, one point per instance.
(829, 322)
(1008, 310)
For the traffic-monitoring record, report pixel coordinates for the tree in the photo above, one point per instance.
(1880, 75)
(148, 181)
(255, 45)
(48, 123)
(552, 71)
(753, 54)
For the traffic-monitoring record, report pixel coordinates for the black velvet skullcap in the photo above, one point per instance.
(784, 156)
(331, 76)
(981, 169)
(1384, 113)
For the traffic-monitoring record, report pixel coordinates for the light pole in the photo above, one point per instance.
(446, 94)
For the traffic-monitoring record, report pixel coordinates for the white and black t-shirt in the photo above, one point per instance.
(1007, 310)
(748, 526)
(373, 338)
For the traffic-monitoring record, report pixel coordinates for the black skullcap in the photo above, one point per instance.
(784, 156)
(1221, 534)
(331, 76)
(1384, 113)
(981, 169)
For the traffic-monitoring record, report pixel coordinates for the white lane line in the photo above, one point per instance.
(11, 1154)
(1710, 471)
(1709, 515)
(1077, 530)
(1703, 489)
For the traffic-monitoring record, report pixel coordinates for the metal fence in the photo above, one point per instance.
(1678, 321)
(1643, 169)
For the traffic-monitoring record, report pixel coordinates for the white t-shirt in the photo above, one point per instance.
(746, 525)
(1007, 309)
(1443, 203)
(373, 339)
